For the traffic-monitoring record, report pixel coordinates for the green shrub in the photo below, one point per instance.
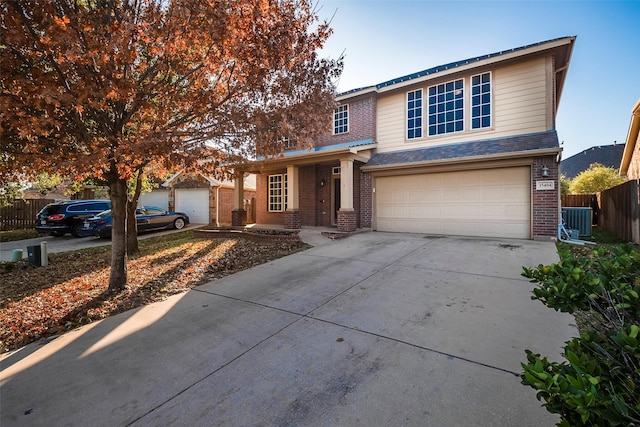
(599, 383)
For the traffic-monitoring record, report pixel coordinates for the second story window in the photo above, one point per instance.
(287, 143)
(446, 108)
(414, 114)
(341, 120)
(481, 101)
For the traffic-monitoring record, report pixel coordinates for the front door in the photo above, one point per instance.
(336, 201)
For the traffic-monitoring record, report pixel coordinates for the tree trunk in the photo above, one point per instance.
(132, 228)
(118, 277)
(132, 224)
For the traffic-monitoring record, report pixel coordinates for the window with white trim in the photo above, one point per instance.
(446, 107)
(481, 101)
(414, 114)
(278, 193)
(341, 119)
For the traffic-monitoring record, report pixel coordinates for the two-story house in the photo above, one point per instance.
(467, 148)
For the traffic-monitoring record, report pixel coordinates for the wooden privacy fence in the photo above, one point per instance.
(620, 211)
(22, 214)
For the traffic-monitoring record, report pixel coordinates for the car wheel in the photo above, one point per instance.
(75, 230)
(178, 224)
(57, 233)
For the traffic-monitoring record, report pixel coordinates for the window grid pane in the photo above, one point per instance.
(275, 193)
(414, 114)
(481, 101)
(446, 108)
(341, 119)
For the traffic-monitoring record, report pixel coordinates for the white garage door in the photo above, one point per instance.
(158, 198)
(488, 203)
(195, 203)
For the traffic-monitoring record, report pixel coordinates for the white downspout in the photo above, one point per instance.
(217, 205)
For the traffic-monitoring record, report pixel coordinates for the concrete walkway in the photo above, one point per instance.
(377, 329)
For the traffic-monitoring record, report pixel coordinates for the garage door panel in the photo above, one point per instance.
(195, 203)
(489, 203)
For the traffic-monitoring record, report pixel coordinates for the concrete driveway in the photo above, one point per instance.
(378, 329)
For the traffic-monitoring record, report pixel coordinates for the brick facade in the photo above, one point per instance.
(225, 204)
(292, 220)
(366, 199)
(545, 202)
(317, 186)
(362, 122)
(634, 165)
(347, 221)
(238, 217)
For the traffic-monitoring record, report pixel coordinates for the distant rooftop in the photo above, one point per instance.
(607, 155)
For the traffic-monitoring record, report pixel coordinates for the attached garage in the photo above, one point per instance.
(194, 202)
(485, 203)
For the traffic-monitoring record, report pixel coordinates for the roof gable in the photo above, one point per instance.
(562, 47)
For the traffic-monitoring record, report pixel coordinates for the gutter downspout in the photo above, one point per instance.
(217, 206)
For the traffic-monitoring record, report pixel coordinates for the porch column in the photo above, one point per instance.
(238, 215)
(346, 214)
(292, 214)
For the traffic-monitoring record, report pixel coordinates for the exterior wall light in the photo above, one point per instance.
(545, 171)
(322, 182)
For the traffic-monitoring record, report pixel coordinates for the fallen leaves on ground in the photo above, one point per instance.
(72, 290)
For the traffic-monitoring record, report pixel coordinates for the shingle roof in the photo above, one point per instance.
(486, 147)
(456, 64)
(607, 155)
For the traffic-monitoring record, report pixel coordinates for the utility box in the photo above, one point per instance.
(35, 257)
(578, 219)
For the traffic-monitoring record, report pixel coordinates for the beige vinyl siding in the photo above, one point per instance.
(519, 95)
(519, 107)
(391, 123)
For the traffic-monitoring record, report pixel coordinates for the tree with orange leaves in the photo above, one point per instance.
(110, 88)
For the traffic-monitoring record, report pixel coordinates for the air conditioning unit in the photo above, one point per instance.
(578, 219)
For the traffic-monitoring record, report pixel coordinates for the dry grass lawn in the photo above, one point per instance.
(72, 290)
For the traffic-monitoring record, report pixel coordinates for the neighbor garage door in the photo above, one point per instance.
(195, 203)
(489, 203)
(158, 198)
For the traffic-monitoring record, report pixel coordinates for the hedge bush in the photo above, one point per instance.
(598, 384)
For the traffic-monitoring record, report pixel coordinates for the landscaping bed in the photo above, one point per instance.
(253, 234)
(38, 302)
(597, 384)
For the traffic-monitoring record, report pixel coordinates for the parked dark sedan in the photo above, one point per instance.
(147, 217)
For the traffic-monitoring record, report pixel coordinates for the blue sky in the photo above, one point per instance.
(382, 40)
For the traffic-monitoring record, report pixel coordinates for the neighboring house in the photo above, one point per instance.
(630, 165)
(468, 148)
(206, 200)
(59, 193)
(606, 155)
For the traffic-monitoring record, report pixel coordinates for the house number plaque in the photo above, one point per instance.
(545, 185)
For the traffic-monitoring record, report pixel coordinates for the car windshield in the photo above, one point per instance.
(104, 214)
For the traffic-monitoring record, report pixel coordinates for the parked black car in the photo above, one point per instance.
(147, 217)
(60, 218)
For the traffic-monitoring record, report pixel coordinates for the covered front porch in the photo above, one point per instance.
(322, 187)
